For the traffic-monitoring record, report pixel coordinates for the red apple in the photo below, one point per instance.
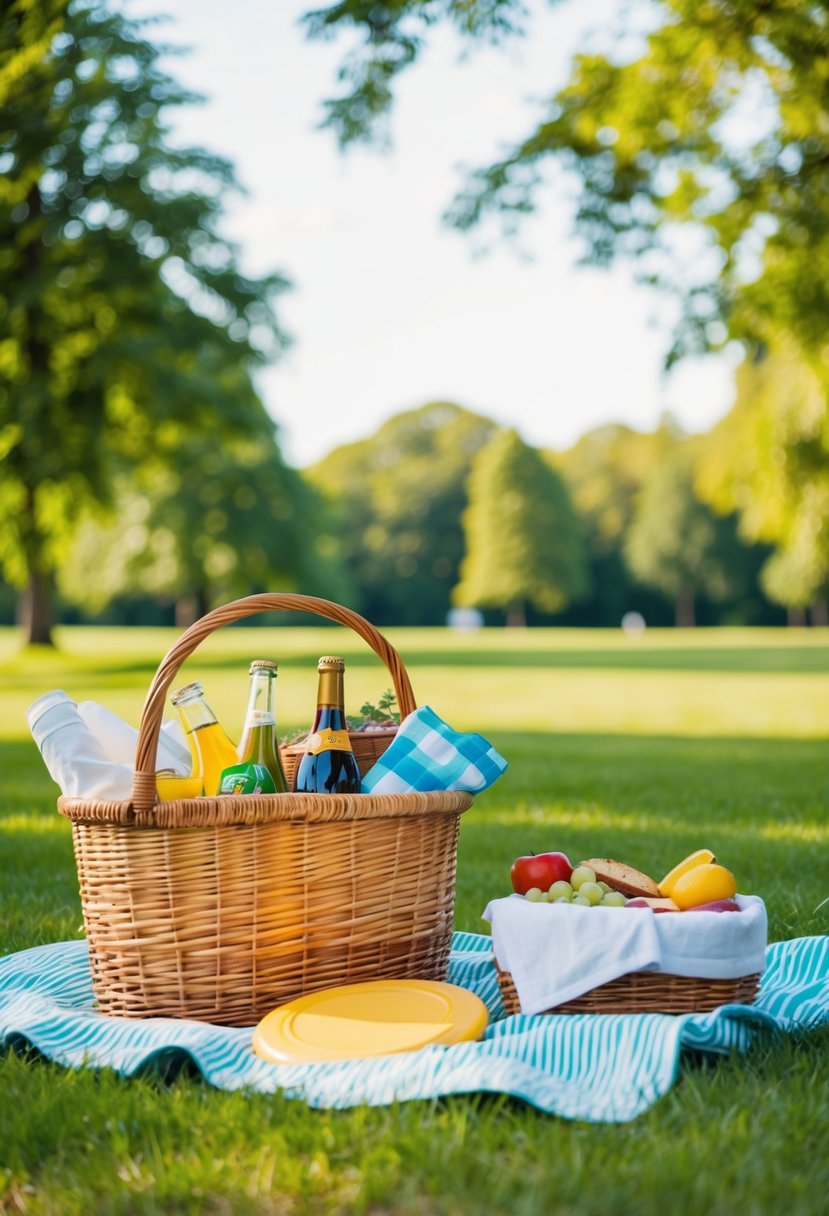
(539, 870)
(716, 905)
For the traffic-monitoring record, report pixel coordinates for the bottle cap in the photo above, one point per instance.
(263, 665)
(184, 694)
(331, 662)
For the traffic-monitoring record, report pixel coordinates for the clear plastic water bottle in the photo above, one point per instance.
(76, 760)
(119, 740)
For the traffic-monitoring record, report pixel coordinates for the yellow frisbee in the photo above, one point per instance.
(355, 1021)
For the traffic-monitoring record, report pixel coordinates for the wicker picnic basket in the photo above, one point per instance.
(647, 992)
(220, 908)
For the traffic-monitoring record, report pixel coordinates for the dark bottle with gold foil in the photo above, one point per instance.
(329, 766)
(259, 744)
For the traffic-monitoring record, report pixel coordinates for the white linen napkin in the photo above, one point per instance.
(715, 945)
(556, 952)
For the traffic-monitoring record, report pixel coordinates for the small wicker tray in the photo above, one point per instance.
(367, 745)
(647, 992)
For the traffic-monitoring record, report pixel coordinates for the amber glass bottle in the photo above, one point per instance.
(259, 743)
(329, 766)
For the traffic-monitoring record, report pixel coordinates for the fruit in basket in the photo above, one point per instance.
(699, 858)
(613, 899)
(581, 875)
(655, 905)
(620, 877)
(560, 890)
(539, 870)
(703, 885)
(716, 905)
(592, 892)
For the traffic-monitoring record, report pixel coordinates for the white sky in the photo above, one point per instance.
(389, 308)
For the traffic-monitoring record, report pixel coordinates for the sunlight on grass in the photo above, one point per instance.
(597, 818)
(32, 825)
(711, 682)
(809, 833)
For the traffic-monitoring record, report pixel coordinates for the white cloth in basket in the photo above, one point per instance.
(557, 952)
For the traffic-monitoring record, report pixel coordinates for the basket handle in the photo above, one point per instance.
(143, 786)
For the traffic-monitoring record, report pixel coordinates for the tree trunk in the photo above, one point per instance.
(190, 607)
(685, 616)
(795, 616)
(34, 610)
(516, 616)
(820, 613)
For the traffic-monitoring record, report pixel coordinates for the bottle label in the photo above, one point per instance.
(261, 717)
(328, 741)
(246, 779)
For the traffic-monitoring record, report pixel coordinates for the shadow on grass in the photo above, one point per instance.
(789, 660)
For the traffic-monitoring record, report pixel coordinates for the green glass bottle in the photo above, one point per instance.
(259, 743)
(329, 765)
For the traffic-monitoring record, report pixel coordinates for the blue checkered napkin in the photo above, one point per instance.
(427, 754)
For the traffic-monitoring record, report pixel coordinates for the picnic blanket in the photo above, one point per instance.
(595, 1067)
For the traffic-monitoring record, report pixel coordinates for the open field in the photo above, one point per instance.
(643, 750)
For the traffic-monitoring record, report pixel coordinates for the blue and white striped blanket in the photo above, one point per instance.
(601, 1068)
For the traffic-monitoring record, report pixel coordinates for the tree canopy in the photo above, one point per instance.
(703, 121)
(677, 543)
(768, 460)
(126, 324)
(605, 471)
(227, 520)
(399, 497)
(523, 539)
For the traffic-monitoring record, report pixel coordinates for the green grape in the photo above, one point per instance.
(613, 899)
(582, 901)
(563, 899)
(592, 892)
(535, 895)
(560, 889)
(581, 875)
(605, 887)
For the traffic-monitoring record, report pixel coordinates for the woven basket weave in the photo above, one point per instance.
(221, 908)
(647, 992)
(367, 745)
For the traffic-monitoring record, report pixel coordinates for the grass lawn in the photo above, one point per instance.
(640, 750)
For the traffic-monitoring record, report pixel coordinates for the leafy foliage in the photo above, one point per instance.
(383, 711)
(125, 321)
(393, 36)
(769, 461)
(712, 123)
(523, 541)
(399, 497)
(605, 471)
(223, 522)
(677, 543)
(698, 139)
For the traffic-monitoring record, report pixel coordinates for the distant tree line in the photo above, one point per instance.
(441, 507)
